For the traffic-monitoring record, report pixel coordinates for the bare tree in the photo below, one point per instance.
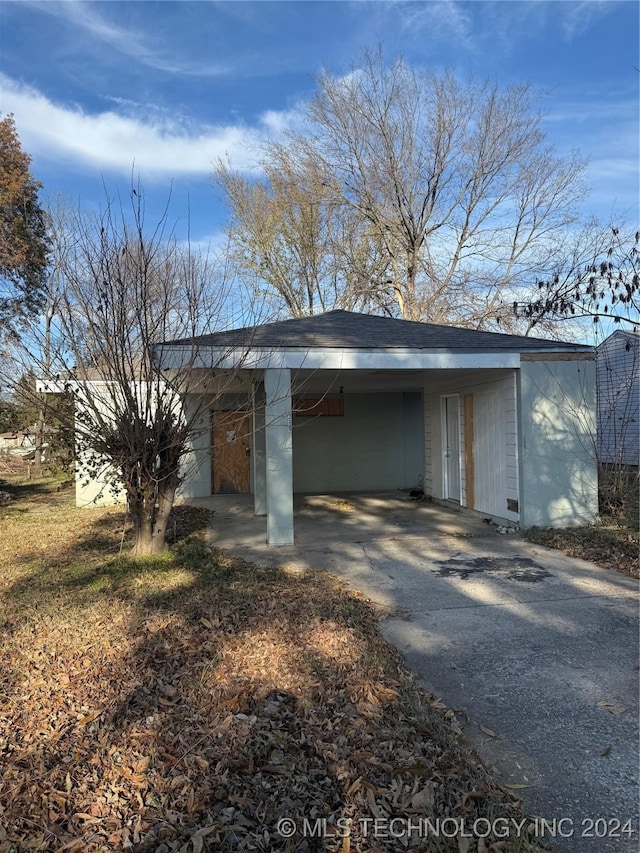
(302, 251)
(453, 184)
(61, 238)
(122, 289)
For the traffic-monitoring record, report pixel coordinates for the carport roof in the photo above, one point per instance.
(348, 329)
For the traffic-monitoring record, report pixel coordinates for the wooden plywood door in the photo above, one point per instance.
(231, 436)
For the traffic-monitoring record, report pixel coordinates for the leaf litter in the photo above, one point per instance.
(610, 546)
(191, 701)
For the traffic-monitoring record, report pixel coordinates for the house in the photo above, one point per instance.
(22, 442)
(9, 439)
(341, 401)
(618, 398)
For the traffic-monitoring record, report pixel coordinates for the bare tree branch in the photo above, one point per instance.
(596, 276)
(450, 187)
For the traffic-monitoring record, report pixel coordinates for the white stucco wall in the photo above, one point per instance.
(433, 477)
(95, 483)
(96, 480)
(95, 486)
(195, 466)
(558, 468)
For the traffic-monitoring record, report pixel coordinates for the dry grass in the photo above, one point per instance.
(188, 702)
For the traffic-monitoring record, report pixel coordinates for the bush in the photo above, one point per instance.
(618, 494)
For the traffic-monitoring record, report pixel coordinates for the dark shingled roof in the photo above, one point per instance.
(347, 329)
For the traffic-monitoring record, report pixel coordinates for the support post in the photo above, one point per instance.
(279, 456)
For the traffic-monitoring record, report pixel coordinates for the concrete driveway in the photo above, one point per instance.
(539, 652)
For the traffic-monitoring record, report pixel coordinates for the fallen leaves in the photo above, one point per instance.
(611, 547)
(190, 703)
(89, 718)
(341, 505)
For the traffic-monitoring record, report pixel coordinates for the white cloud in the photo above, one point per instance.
(208, 245)
(111, 141)
(277, 122)
(581, 16)
(443, 19)
(605, 125)
(128, 42)
(614, 185)
(506, 26)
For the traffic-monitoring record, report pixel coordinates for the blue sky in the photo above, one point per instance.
(96, 87)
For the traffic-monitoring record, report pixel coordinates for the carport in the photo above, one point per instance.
(351, 402)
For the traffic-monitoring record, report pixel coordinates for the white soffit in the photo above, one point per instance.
(335, 359)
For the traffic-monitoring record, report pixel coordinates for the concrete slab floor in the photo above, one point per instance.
(537, 648)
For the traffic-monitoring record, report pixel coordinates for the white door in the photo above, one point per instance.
(452, 448)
